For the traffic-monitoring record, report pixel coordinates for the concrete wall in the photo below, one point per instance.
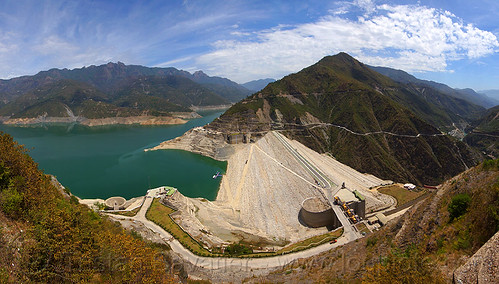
(325, 218)
(359, 207)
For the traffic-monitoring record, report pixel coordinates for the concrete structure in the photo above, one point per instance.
(354, 200)
(316, 213)
(115, 203)
(237, 138)
(382, 220)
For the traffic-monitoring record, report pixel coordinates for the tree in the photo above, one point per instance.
(458, 205)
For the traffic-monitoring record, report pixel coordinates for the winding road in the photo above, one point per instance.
(325, 187)
(223, 262)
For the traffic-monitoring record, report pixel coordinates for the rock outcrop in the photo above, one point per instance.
(483, 266)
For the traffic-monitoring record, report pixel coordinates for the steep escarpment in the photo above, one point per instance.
(339, 105)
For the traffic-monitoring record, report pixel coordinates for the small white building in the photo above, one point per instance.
(409, 186)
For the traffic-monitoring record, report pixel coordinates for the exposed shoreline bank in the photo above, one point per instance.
(131, 120)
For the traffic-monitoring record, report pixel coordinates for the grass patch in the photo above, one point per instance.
(312, 242)
(401, 194)
(362, 228)
(160, 214)
(130, 213)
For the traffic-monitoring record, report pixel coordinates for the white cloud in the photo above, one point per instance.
(409, 37)
(174, 61)
(54, 45)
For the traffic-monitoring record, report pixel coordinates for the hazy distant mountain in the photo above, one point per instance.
(122, 89)
(257, 85)
(468, 95)
(494, 94)
(365, 119)
(110, 78)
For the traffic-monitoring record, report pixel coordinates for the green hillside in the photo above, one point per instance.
(111, 78)
(174, 89)
(65, 98)
(46, 236)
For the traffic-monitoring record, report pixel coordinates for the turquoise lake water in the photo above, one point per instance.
(101, 162)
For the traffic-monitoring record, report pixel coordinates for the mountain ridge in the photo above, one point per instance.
(466, 94)
(342, 91)
(257, 85)
(124, 90)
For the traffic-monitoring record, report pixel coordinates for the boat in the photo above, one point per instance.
(216, 175)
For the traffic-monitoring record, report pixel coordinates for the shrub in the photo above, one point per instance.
(11, 202)
(238, 249)
(371, 241)
(458, 205)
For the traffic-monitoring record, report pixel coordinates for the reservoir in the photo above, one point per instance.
(105, 161)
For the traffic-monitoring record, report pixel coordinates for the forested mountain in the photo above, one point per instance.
(122, 90)
(365, 119)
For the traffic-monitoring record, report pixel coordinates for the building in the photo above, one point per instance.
(354, 200)
(409, 186)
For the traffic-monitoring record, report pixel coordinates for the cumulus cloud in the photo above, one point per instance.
(410, 37)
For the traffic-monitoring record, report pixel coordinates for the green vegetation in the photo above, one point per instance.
(458, 205)
(490, 165)
(401, 194)
(101, 91)
(407, 267)
(312, 242)
(371, 241)
(160, 214)
(237, 249)
(130, 213)
(100, 205)
(11, 202)
(51, 239)
(484, 134)
(362, 228)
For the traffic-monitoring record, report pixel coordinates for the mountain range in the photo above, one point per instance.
(468, 95)
(257, 85)
(365, 119)
(114, 89)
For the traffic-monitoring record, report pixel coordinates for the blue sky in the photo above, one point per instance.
(453, 42)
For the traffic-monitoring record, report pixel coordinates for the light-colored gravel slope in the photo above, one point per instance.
(260, 196)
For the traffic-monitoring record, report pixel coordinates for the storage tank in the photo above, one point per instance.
(316, 212)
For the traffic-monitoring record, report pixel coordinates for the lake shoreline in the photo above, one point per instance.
(130, 120)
